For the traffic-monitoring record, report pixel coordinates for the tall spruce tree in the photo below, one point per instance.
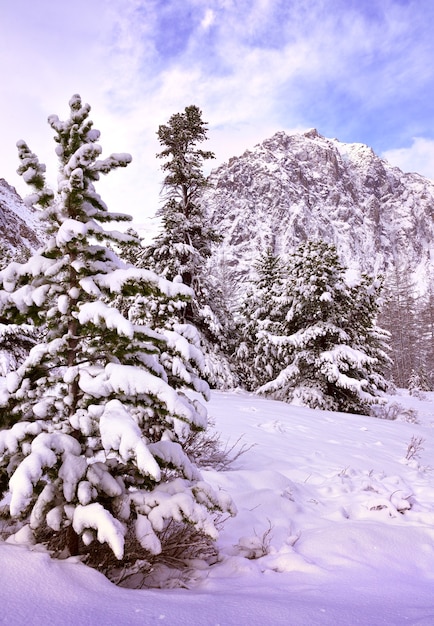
(399, 316)
(258, 359)
(186, 238)
(331, 354)
(93, 427)
(425, 344)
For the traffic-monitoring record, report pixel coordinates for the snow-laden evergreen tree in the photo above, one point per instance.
(399, 315)
(206, 359)
(93, 429)
(331, 352)
(418, 382)
(181, 352)
(258, 359)
(186, 238)
(225, 291)
(16, 340)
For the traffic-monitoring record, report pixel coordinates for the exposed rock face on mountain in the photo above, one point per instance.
(303, 186)
(20, 227)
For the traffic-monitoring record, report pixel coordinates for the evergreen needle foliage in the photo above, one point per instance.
(311, 338)
(186, 239)
(94, 419)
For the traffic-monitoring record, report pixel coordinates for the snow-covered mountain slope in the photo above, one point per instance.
(20, 227)
(303, 186)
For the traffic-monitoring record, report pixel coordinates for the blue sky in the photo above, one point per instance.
(358, 70)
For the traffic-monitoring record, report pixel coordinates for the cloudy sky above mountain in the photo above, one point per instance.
(357, 70)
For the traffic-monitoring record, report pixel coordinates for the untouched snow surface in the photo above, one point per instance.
(335, 526)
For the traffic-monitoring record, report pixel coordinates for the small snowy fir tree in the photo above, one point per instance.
(418, 382)
(93, 446)
(400, 316)
(170, 318)
(258, 359)
(332, 354)
(186, 238)
(16, 340)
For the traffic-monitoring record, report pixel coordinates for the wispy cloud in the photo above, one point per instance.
(360, 71)
(264, 58)
(208, 19)
(419, 157)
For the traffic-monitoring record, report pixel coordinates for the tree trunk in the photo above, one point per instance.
(72, 542)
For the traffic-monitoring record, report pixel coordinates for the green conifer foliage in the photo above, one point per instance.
(331, 353)
(93, 426)
(258, 359)
(186, 238)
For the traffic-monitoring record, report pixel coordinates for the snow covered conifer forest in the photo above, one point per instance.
(109, 348)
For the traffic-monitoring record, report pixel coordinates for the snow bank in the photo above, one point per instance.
(335, 526)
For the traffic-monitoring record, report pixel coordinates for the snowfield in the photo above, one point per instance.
(335, 526)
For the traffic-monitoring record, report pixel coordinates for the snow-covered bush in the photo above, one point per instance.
(93, 420)
(395, 411)
(207, 450)
(414, 448)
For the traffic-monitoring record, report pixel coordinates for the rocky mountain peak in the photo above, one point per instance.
(294, 187)
(20, 226)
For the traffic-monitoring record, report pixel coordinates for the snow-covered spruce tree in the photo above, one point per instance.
(92, 450)
(186, 238)
(332, 354)
(225, 291)
(180, 351)
(400, 316)
(258, 360)
(16, 340)
(418, 382)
